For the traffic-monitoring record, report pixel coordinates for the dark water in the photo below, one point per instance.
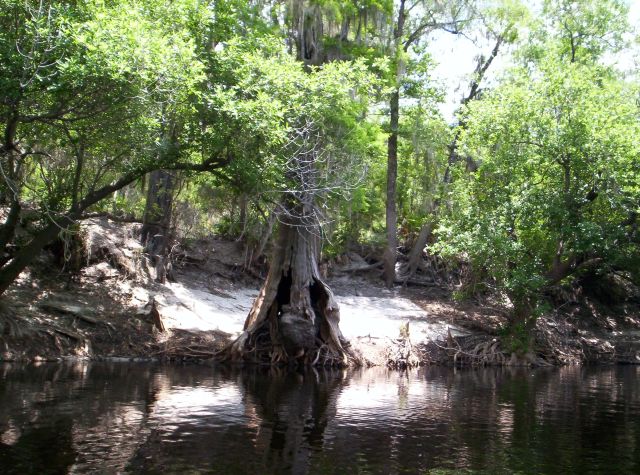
(111, 418)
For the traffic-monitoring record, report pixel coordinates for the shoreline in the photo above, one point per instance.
(112, 308)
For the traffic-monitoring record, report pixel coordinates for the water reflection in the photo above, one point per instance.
(101, 418)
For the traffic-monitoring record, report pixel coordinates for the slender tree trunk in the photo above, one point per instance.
(415, 256)
(453, 157)
(391, 209)
(157, 219)
(264, 239)
(344, 31)
(8, 229)
(391, 250)
(243, 219)
(10, 157)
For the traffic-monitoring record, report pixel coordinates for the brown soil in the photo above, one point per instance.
(91, 313)
(52, 314)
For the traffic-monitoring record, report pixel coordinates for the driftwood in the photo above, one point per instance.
(360, 267)
(77, 311)
(416, 280)
(68, 333)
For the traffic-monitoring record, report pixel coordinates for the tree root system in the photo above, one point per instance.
(476, 350)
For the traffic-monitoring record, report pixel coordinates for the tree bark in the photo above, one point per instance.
(156, 225)
(295, 318)
(8, 229)
(390, 253)
(308, 32)
(244, 218)
(264, 239)
(416, 252)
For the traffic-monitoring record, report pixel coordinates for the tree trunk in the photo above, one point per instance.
(10, 272)
(264, 239)
(390, 252)
(308, 32)
(520, 336)
(157, 220)
(244, 219)
(474, 90)
(8, 229)
(391, 209)
(415, 255)
(295, 318)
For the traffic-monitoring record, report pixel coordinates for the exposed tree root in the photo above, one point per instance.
(402, 354)
(263, 347)
(477, 351)
(295, 318)
(22, 338)
(11, 326)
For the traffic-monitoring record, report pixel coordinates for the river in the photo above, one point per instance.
(157, 419)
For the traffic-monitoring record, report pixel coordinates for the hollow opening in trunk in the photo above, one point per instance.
(295, 318)
(283, 296)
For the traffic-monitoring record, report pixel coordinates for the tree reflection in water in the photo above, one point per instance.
(293, 411)
(108, 418)
(46, 450)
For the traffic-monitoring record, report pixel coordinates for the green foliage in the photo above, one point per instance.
(558, 179)
(91, 91)
(89, 85)
(578, 31)
(586, 29)
(272, 95)
(423, 151)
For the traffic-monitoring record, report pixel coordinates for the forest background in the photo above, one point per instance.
(327, 116)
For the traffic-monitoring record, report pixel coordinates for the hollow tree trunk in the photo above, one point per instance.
(295, 318)
(157, 220)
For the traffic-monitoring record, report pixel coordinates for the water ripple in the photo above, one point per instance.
(150, 419)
